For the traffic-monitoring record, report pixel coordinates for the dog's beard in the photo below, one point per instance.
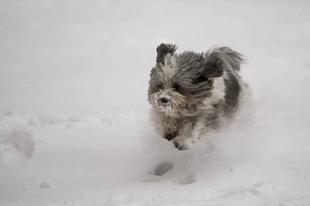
(176, 102)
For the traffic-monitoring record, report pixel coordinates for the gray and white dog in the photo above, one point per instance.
(191, 93)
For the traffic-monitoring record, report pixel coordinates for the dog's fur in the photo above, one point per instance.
(191, 93)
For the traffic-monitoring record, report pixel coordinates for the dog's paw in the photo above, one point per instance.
(183, 144)
(180, 145)
(170, 136)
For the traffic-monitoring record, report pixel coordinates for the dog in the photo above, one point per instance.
(192, 93)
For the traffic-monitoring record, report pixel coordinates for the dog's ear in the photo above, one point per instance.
(163, 49)
(213, 67)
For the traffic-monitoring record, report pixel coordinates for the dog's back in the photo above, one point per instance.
(229, 87)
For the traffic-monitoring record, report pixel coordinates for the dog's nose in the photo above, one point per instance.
(164, 100)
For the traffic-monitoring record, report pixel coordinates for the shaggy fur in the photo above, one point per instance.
(191, 92)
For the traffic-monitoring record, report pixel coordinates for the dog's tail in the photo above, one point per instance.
(230, 58)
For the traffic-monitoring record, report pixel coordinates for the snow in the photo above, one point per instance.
(16, 143)
(74, 125)
(13, 112)
(32, 122)
(45, 185)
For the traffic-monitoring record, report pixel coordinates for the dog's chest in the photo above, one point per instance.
(170, 124)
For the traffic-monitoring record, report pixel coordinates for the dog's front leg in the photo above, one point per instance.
(184, 139)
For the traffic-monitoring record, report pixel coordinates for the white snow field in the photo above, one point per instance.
(74, 126)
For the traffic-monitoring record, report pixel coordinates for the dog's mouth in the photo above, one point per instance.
(165, 107)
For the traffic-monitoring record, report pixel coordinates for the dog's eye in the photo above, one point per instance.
(160, 86)
(176, 87)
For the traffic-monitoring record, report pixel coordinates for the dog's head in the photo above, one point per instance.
(183, 80)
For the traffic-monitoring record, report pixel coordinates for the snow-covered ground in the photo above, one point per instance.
(74, 126)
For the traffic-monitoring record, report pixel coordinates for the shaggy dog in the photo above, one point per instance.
(192, 93)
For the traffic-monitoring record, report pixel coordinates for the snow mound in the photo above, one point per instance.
(82, 119)
(16, 145)
(52, 119)
(75, 119)
(13, 113)
(49, 119)
(32, 122)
